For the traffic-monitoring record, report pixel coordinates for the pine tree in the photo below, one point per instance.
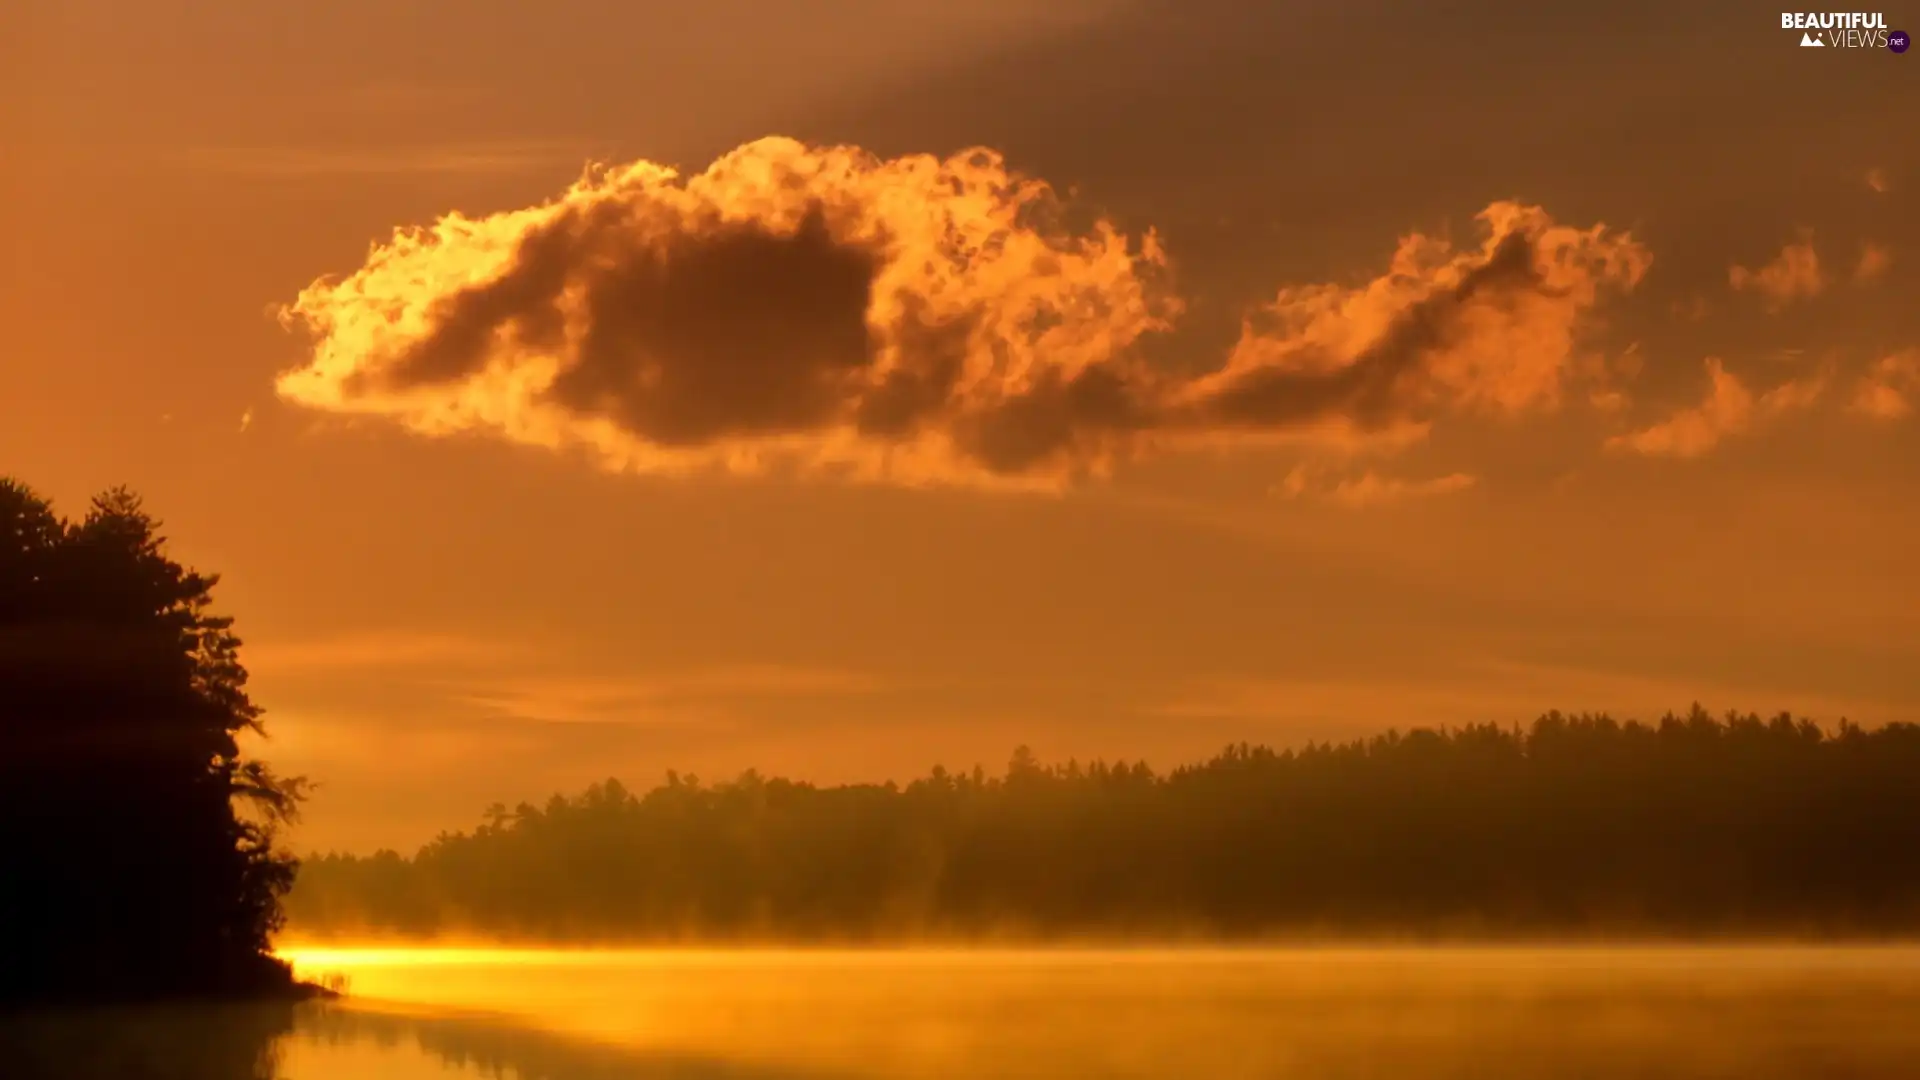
(139, 836)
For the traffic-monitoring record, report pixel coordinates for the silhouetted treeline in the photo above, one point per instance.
(1579, 823)
(126, 869)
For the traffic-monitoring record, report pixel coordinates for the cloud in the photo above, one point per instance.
(1874, 261)
(1729, 409)
(1887, 389)
(1879, 181)
(1794, 274)
(1491, 329)
(910, 320)
(1371, 488)
(246, 419)
(376, 649)
(700, 694)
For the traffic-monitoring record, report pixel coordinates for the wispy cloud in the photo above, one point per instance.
(1794, 274)
(1887, 389)
(1875, 259)
(1879, 181)
(376, 649)
(1728, 409)
(512, 679)
(654, 697)
(1370, 488)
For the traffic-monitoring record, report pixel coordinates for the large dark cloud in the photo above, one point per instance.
(911, 320)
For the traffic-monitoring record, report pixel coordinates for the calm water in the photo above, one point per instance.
(1322, 1014)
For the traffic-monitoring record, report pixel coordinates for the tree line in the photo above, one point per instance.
(138, 839)
(1577, 823)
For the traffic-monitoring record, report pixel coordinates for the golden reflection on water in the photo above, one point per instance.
(1408, 1014)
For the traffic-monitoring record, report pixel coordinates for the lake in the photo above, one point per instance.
(1320, 1013)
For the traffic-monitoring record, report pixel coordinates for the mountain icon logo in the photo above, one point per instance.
(1809, 41)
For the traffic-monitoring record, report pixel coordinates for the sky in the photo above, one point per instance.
(909, 380)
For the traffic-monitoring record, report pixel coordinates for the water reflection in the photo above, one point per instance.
(1752, 1014)
(321, 1041)
(1310, 1014)
(476, 1045)
(156, 1043)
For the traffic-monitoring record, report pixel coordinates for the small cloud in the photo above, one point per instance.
(377, 649)
(246, 420)
(1793, 396)
(1874, 261)
(1886, 391)
(1794, 274)
(1879, 181)
(1370, 488)
(662, 697)
(1729, 409)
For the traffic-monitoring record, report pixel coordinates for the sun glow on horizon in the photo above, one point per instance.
(305, 958)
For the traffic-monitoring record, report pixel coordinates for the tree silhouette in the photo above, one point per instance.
(1577, 824)
(139, 840)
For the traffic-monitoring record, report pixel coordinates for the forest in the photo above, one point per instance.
(1694, 825)
(144, 857)
(139, 837)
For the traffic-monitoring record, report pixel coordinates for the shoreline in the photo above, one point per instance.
(296, 992)
(1330, 939)
(316, 955)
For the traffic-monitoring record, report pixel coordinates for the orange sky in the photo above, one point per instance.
(1252, 429)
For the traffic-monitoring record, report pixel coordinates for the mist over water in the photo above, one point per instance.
(1680, 1012)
